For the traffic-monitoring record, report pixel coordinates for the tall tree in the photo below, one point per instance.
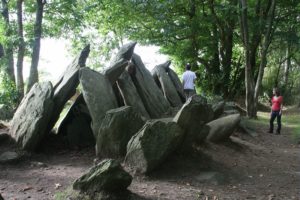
(21, 49)
(8, 48)
(261, 35)
(33, 76)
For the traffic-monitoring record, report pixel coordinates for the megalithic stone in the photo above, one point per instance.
(29, 124)
(152, 97)
(98, 95)
(177, 84)
(119, 62)
(130, 94)
(168, 88)
(65, 88)
(125, 52)
(222, 128)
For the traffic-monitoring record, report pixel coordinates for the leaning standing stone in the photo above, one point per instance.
(107, 176)
(119, 62)
(152, 144)
(130, 94)
(151, 95)
(67, 84)
(98, 95)
(178, 85)
(167, 85)
(29, 124)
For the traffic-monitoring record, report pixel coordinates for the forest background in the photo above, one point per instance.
(239, 49)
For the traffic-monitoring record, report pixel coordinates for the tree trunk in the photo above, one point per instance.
(21, 50)
(265, 47)
(1, 51)
(35, 56)
(9, 49)
(287, 65)
(249, 82)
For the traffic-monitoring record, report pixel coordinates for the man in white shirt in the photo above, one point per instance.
(188, 81)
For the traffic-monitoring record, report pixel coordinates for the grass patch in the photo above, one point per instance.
(293, 122)
(290, 120)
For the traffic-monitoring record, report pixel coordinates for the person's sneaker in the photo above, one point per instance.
(270, 131)
(277, 132)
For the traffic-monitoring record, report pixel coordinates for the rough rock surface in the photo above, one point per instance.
(98, 95)
(152, 144)
(65, 88)
(177, 84)
(222, 128)
(192, 117)
(118, 126)
(9, 157)
(108, 176)
(159, 73)
(152, 97)
(130, 94)
(119, 62)
(30, 122)
(218, 109)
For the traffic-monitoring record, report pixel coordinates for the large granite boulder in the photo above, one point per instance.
(108, 176)
(76, 125)
(152, 97)
(98, 95)
(218, 109)
(30, 122)
(65, 88)
(152, 144)
(6, 112)
(192, 117)
(222, 128)
(130, 94)
(118, 126)
(159, 73)
(119, 62)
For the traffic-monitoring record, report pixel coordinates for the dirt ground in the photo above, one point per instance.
(263, 167)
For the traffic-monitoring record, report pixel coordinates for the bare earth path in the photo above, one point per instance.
(263, 167)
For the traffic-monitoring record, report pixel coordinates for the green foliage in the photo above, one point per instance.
(8, 91)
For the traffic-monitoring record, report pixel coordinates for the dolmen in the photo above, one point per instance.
(124, 110)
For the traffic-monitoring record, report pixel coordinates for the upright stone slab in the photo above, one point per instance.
(222, 128)
(177, 84)
(130, 94)
(168, 88)
(118, 126)
(29, 124)
(152, 97)
(108, 176)
(119, 62)
(76, 126)
(98, 95)
(152, 144)
(125, 52)
(192, 117)
(66, 86)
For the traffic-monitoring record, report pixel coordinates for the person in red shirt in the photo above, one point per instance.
(276, 110)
